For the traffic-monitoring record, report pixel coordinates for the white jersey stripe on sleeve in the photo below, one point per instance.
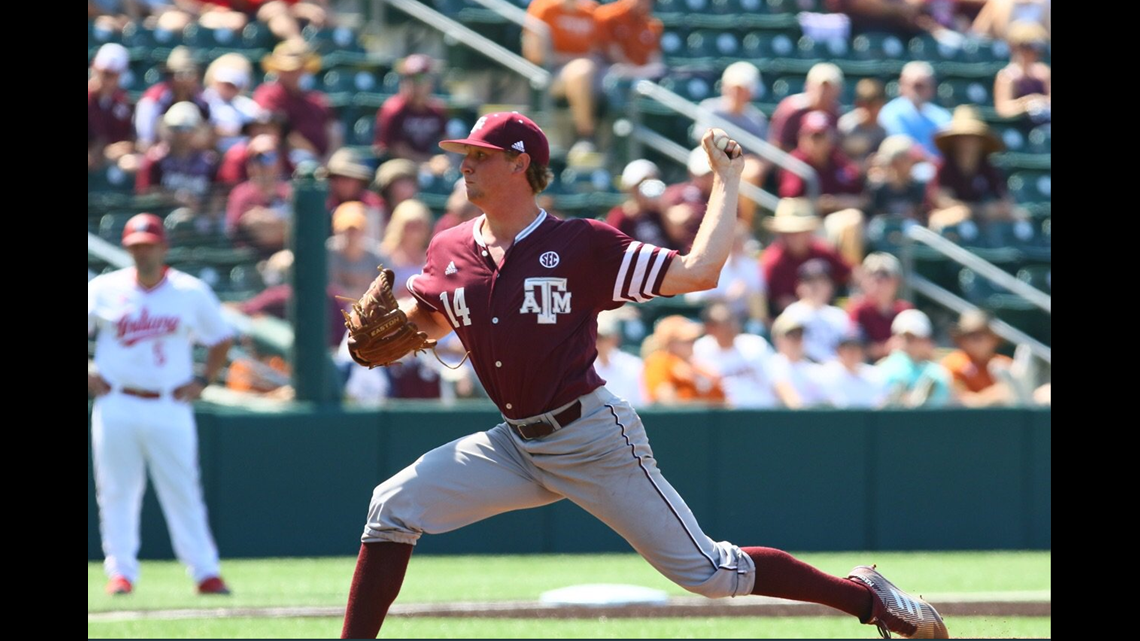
(625, 261)
(647, 290)
(636, 285)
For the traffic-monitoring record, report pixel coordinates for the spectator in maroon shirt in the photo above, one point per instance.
(348, 181)
(308, 110)
(875, 308)
(821, 93)
(259, 212)
(411, 123)
(458, 210)
(110, 135)
(966, 186)
(275, 124)
(397, 180)
(795, 223)
(274, 301)
(841, 199)
(178, 166)
(181, 85)
(639, 217)
(683, 205)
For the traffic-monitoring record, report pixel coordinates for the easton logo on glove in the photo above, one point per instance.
(379, 331)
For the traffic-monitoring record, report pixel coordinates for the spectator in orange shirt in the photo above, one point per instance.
(975, 366)
(632, 38)
(574, 55)
(670, 375)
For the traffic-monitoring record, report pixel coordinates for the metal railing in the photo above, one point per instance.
(760, 147)
(917, 233)
(528, 22)
(538, 77)
(1005, 330)
(647, 136)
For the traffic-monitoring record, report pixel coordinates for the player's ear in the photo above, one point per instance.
(522, 161)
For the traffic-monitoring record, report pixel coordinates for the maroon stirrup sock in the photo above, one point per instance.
(380, 569)
(779, 574)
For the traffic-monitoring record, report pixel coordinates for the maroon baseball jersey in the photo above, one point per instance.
(784, 129)
(308, 112)
(421, 128)
(109, 119)
(531, 323)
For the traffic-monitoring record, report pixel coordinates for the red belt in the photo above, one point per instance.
(141, 393)
(539, 429)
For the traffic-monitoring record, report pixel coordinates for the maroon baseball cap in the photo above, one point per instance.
(144, 228)
(815, 122)
(502, 131)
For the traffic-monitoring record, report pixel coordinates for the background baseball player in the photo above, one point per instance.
(147, 317)
(523, 290)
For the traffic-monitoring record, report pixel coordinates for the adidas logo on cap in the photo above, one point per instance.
(519, 146)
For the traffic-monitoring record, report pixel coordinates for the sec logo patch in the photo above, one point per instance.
(549, 260)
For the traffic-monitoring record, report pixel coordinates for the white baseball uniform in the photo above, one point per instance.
(144, 346)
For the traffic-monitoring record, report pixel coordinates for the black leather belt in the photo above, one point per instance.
(539, 429)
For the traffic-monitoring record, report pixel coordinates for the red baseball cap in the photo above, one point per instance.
(502, 131)
(144, 228)
(815, 122)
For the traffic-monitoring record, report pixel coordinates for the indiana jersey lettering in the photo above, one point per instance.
(146, 335)
(554, 279)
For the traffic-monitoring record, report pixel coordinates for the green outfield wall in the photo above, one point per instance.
(297, 483)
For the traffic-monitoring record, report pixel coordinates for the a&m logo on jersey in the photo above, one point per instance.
(546, 297)
(549, 260)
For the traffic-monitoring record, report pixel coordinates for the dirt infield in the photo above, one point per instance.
(1027, 606)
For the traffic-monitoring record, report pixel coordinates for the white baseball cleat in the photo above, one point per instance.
(896, 611)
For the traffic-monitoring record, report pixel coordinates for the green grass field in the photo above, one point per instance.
(324, 582)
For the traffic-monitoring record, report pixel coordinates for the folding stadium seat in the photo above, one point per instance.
(786, 86)
(1012, 234)
(984, 51)
(1031, 187)
(673, 43)
(1037, 276)
(1041, 140)
(975, 288)
(959, 91)
(331, 39)
(199, 37)
(1011, 135)
(1022, 314)
(363, 130)
(693, 88)
(701, 44)
(111, 226)
(885, 233)
(878, 46)
(926, 47)
(246, 278)
(808, 48)
(728, 45)
(965, 233)
(256, 35)
(670, 12)
(769, 44)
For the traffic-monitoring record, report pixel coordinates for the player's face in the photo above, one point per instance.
(482, 170)
(148, 257)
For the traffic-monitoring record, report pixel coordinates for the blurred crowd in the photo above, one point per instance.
(803, 315)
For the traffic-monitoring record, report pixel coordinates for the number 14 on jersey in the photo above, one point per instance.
(461, 311)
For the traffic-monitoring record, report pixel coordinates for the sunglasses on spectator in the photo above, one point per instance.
(182, 129)
(794, 333)
(265, 158)
(882, 275)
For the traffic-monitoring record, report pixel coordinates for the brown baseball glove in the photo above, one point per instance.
(379, 331)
